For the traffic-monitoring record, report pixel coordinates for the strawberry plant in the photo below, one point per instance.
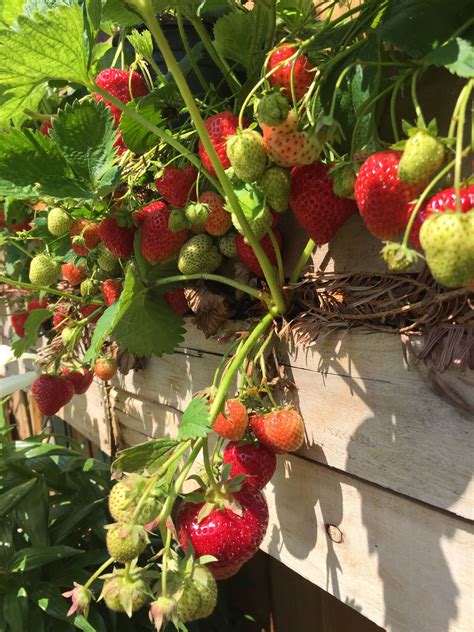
(132, 182)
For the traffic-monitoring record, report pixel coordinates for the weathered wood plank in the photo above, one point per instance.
(404, 566)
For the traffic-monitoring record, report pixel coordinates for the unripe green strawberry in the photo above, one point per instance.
(59, 222)
(188, 603)
(207, 587)
(177, 221)
(227, 245)
(276, 184)
(197, 213)
(67, 335)
(106, 259)
(44, 271)
(126, 542)
(343, 181)
(448, 241)
(88, 287)
(126, 494)
(422, 157)
(272, 109)
(247, 156)
(199, 255)
(259, 226)
(124, 590)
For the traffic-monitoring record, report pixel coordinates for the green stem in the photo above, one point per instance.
(226, 70)
(459, 137)
(166, 551)
(98, 572)
(208, 468)
(213, 277)
(393, 108)
(47, 290)
(161, 133)
(419, 114)
(189, 53)
(236, 363)
(176, 454)
(302, 261)
(147, 13)
(276, 248)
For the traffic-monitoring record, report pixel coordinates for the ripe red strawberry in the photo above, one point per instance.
(252, 459)
(105, 368)
(73, 274)
(60, 318)
(159, 243)
(381, 196)
(316, 207)
(140, 215)
(280, 430)
(51, 392)
(17, 228)
(119, 144)
(89, 309)
(231, 538)
(79, 380)
(303, 72)
(219, 127)
(177, 301)
(233, 422)
(177, 185)
(289, 147)
(111, 290)
(219, 220)
(45, 126)
(121, 86)
(35, 303)
(89, 236)
(246, 254)
(117, 239)
(18, 321)
(439, 203)
(224, 571)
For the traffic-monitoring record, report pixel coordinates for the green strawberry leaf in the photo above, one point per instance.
(457, 56)
(147, 456)
(142, 43)
(31, 164)
(251, 198)
(196, 421)
(48, 46)
(149, 326)
(120, 13)
(111, 317)
(417, 27)
(36, 317)
(85, 135)
(136, 137)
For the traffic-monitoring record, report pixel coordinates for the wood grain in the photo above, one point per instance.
(404, 566)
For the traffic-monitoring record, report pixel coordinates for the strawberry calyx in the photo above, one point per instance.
(398, 256)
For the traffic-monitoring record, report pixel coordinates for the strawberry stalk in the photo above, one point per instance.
(187, 48)
(47, 290)
(463, 101)
(300, 264)
(145, 8)
(258, 294)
